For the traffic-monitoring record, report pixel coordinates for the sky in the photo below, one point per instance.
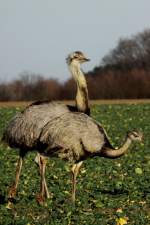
(37, 35)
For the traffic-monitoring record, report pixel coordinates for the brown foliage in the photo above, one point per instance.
(120, 85)
(29, 88)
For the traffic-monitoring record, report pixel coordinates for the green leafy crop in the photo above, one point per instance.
(108, 191)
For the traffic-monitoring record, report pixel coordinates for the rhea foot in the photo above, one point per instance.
(11, 196)
(40, 199)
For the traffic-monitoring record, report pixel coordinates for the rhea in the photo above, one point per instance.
(74, 61)
(72, 136)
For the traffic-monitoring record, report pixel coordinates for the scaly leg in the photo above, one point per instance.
(43, 189)
(46, 192)
(13, 188)
(75, 171)
(38, 159)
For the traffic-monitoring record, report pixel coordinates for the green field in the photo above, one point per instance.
(108, 190)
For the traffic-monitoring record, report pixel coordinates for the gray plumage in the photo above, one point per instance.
(74, 137)
(53, 130)
(69, 135)
(24, 130)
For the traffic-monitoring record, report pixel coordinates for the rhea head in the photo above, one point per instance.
(76, 57)
(135, 135)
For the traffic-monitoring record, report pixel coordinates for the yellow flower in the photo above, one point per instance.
(121, 221)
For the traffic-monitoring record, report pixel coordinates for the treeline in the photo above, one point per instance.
(123, 73)
(30, 87)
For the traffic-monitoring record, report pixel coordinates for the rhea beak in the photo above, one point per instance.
(68, 60)
(86, 59)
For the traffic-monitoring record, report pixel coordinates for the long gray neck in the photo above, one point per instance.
(115, 153)
(82, 91)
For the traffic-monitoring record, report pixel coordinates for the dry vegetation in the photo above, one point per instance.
(71, 102)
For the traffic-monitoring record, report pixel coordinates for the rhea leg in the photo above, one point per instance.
(43, 186)
(39, 159)
(75, 171)
(13, 188)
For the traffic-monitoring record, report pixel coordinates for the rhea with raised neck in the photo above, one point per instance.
(74, 61)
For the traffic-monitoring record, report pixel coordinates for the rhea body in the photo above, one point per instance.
(71, 136)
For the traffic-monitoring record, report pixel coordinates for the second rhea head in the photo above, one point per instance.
(77, 56)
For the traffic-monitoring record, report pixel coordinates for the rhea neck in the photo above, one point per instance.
(82, 91)
(115, 153)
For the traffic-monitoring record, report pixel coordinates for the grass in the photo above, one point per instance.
(109, 191)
